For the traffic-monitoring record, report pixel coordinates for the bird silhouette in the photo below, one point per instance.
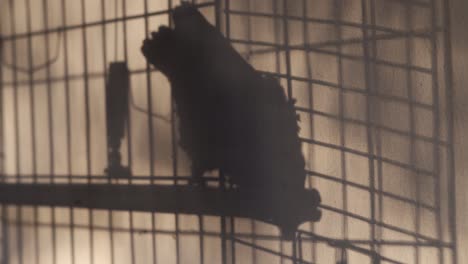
(230, 116)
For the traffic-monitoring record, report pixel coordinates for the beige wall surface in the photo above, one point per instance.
(324, 96)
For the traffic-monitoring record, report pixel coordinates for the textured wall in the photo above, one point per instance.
(321, 159)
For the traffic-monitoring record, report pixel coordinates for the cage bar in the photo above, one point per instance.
(373, 80)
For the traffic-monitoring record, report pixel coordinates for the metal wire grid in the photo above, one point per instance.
(291, 42)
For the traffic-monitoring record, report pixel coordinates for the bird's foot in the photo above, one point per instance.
(198, 182)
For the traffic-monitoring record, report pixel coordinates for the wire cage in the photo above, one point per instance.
(372, 80)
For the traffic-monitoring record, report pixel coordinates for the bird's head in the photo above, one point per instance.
(188, 18)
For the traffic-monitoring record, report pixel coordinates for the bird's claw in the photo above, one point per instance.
(198, 182)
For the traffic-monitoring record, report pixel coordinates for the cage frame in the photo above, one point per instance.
(222, 17)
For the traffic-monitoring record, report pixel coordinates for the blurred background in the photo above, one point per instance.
(380, 86)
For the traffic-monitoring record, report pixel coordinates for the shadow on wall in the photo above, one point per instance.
(329, 102)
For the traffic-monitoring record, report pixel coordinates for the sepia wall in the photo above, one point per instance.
(65, 102)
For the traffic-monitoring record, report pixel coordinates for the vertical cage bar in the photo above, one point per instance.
(249, 54)
(310, 95)
(19, 217)
(436, 123)
(299, 241)
(226, 11)
(287, 48)
(448, 66)
(104, 31)
(68, 126)
(49, 94)
(289, 81)
(87, 125)
(149, 101)
(370, 59)
(33, 123)
(409, 87)
(150, 133)
(174, 150)
(200, 217)
(344, 189)
(50, 127)
(5, 238)
(129, 129)
(369, 118)
(277, 54)
(224, 221)
(2, 112)
(31, 87)
(378, 139)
